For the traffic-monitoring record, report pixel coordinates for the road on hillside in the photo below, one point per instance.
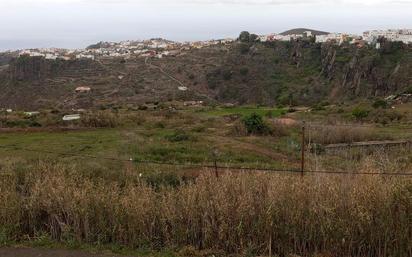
(31, 252)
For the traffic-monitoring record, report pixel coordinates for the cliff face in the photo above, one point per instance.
(285, 73)
(305, 72)
(368, 72)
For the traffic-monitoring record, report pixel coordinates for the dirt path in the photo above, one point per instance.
(31, 252)
(149, 63)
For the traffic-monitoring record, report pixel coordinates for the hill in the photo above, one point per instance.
(300, 31)
(281, 73)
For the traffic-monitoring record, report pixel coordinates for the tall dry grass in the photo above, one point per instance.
(237, 213)
(343, 134)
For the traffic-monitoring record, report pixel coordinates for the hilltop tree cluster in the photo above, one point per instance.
(246, 37)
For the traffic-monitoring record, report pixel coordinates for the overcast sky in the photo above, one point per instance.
(78, 23)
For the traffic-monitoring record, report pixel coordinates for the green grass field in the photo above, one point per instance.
(188, 136)
(149, 142)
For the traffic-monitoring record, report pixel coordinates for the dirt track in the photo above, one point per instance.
(30, 252)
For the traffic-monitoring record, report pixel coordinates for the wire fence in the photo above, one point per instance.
(306, 144)
(215, 166)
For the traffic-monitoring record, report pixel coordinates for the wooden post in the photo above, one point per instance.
(302, 164)
(215, 162)
(270, 240)
(216, 171)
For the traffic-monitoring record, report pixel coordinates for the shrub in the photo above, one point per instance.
(359, 113)
(244, 48)
(386, 116)
(21, 123)
(320, 106)
(380, 103)
(255, 125)
(244, 71)
(178, 136)
(227, 74)
(160, 125)
(100, 119)
(191, 76)
(408, 90)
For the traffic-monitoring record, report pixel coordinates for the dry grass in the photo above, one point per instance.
(100, 119)
(342, 134)
(393, 159)
(238, 213)
(281, 129)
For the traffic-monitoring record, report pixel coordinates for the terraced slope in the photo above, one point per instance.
(300, 72)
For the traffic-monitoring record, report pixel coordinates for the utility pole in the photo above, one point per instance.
(302, 164)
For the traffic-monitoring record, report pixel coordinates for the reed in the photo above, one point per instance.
(241, 213)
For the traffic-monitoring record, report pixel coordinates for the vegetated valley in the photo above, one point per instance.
(137, 166)
(270, 73)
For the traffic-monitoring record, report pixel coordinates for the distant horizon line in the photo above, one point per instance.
(5, 50)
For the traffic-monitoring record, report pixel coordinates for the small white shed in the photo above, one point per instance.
(83, 89)
(71, 117)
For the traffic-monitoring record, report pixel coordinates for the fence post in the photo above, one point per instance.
(270, 239)
(302, 163)
(215, 162)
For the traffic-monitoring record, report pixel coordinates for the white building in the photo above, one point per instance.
(332, 37)
(400, 35)
(83, 89)
(85, 56)
(49, 56)
(71, 117)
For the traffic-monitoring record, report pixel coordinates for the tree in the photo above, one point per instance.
(253, 38)
(255, 125)
(380, 103)
(244, 37)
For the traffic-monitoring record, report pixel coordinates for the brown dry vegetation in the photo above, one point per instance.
(237, 213)
(343, 134)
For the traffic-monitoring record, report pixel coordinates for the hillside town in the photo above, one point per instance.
(160, 48)
(368, 37)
